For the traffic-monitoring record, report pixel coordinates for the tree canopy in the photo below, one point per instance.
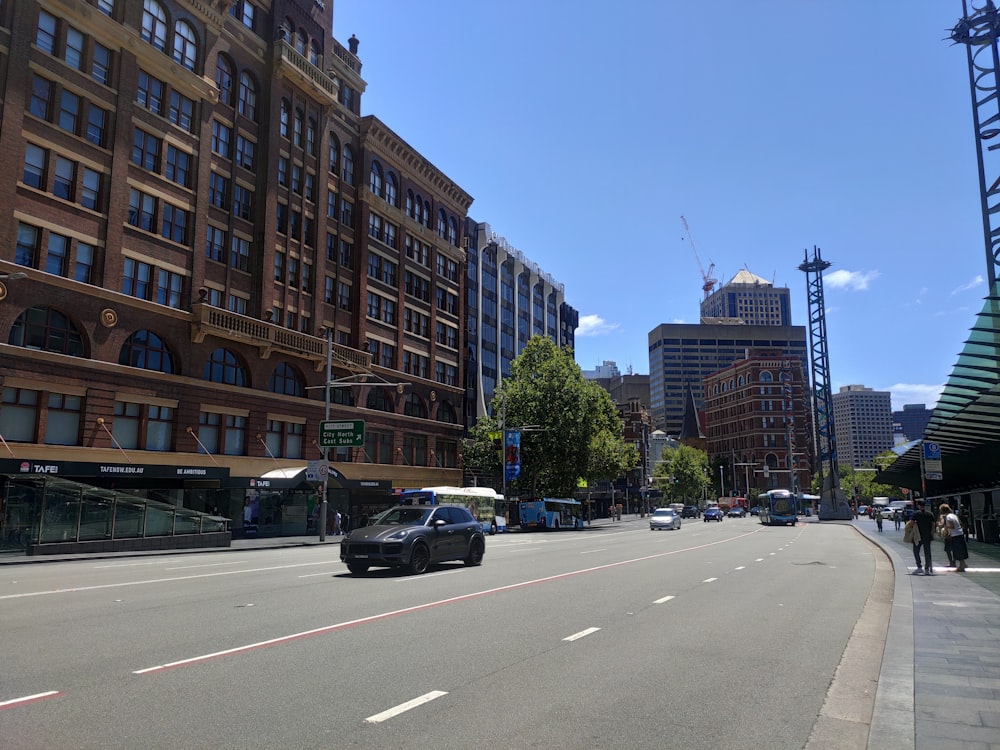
(683, 474)
(570, 428)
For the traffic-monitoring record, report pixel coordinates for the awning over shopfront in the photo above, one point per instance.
(965, 422)
(294, 477)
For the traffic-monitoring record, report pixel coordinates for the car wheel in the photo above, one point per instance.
(493, 528)
(357, 568)
(475, 556)
(420, 558)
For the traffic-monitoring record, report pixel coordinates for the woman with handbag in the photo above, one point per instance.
(954, 531)
(942, 531)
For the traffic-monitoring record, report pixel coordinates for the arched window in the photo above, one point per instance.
(185, 46)
(442, 227)
(224, 367)
(453, 231)
(375, 179)
(287, 31)
(740, 380)
(409, 203)
(715, 391)
(347, 172)
(723, 386)
(766, 377)
(48, 330)
(732, 384)
(224, 79)
(427, 214)
(334, 153)
(248, 96)
(415, 406)
(379, 400)
(285, 117)
(145, 350)
(301, 42)
(287, 380)
(390, 189)
(418, 212)
(315, 56)
(154, 24)
(445, 413)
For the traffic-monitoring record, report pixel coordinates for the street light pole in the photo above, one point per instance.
(326, 416)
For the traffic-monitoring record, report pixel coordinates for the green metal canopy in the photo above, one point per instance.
(966, 420)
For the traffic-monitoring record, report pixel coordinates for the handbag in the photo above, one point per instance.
(910, 534)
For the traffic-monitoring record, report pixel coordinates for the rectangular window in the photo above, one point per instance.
(84, 269)
(74, 48)
(343, 295)
(141, 210)
(19, 415)
(57, 257)
(283, 171)
(215, 243)
(169, 287)
(69, 112)
(41, 97)
(181, 112)
(159, 427)
(178, 166)
(96, 122)
(239, 254)
(45, 35)
(26, 253)
(245, 152)
(125, 426)
(90, 192)
(146, 150)
(100, 64)
(242, 201)
(62, 420)
(218, 190)
(136, 279)
(149, 93)
(34, 166)
(221, 139)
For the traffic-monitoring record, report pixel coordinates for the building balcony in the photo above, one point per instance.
(296, 66)
(268, 338)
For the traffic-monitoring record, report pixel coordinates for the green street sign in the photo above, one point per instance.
(344, 434)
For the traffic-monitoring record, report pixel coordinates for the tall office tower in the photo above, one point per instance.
(862, 419)
(682, 355)
(509, 299)
(198, 204)
(748, 298)
(912, 420)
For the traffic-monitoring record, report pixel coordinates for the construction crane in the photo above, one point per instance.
(708, 281)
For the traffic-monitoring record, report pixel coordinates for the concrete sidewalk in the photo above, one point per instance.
(939, 684)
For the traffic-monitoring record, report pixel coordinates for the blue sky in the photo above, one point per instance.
(585, 130)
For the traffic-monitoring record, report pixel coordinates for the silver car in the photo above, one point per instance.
(664, 518)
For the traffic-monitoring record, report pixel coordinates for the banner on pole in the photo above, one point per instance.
(512, 454)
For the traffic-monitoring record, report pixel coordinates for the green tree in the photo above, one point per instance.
(570, 429)
(682, 474)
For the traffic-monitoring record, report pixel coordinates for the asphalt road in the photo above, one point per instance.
(722, 635)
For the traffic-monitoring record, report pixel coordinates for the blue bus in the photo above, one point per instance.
(778, 508)
(551, 513)
(487, 505)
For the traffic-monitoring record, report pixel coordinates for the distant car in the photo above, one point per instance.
(712, 514)
(862, 510)
(736, 512)
(691, 511)
(415, 537)
(755, 510)
(664, 518)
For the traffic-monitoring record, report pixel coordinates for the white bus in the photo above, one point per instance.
(487, 505)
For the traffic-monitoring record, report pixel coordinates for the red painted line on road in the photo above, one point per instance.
(417, 608)
(24, 701)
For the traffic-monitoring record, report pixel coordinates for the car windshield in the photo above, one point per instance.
(405, 516)
(663, 512)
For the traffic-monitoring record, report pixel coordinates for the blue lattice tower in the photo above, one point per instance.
(832, 505)
(978, 30)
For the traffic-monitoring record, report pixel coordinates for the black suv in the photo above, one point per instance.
(690, 511)
(413, 538)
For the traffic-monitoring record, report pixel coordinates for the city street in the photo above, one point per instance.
(722, 635)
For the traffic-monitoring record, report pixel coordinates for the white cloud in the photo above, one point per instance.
(914, 393)
(595, 325)
(853, 280)
(976, 281)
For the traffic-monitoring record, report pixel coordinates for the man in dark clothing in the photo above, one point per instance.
(924, 520)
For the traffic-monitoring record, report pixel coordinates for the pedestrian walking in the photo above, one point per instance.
(336, 523)
(953, 530)
(897, 518)
(942, 531)
(878, 522)
(923, 520)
